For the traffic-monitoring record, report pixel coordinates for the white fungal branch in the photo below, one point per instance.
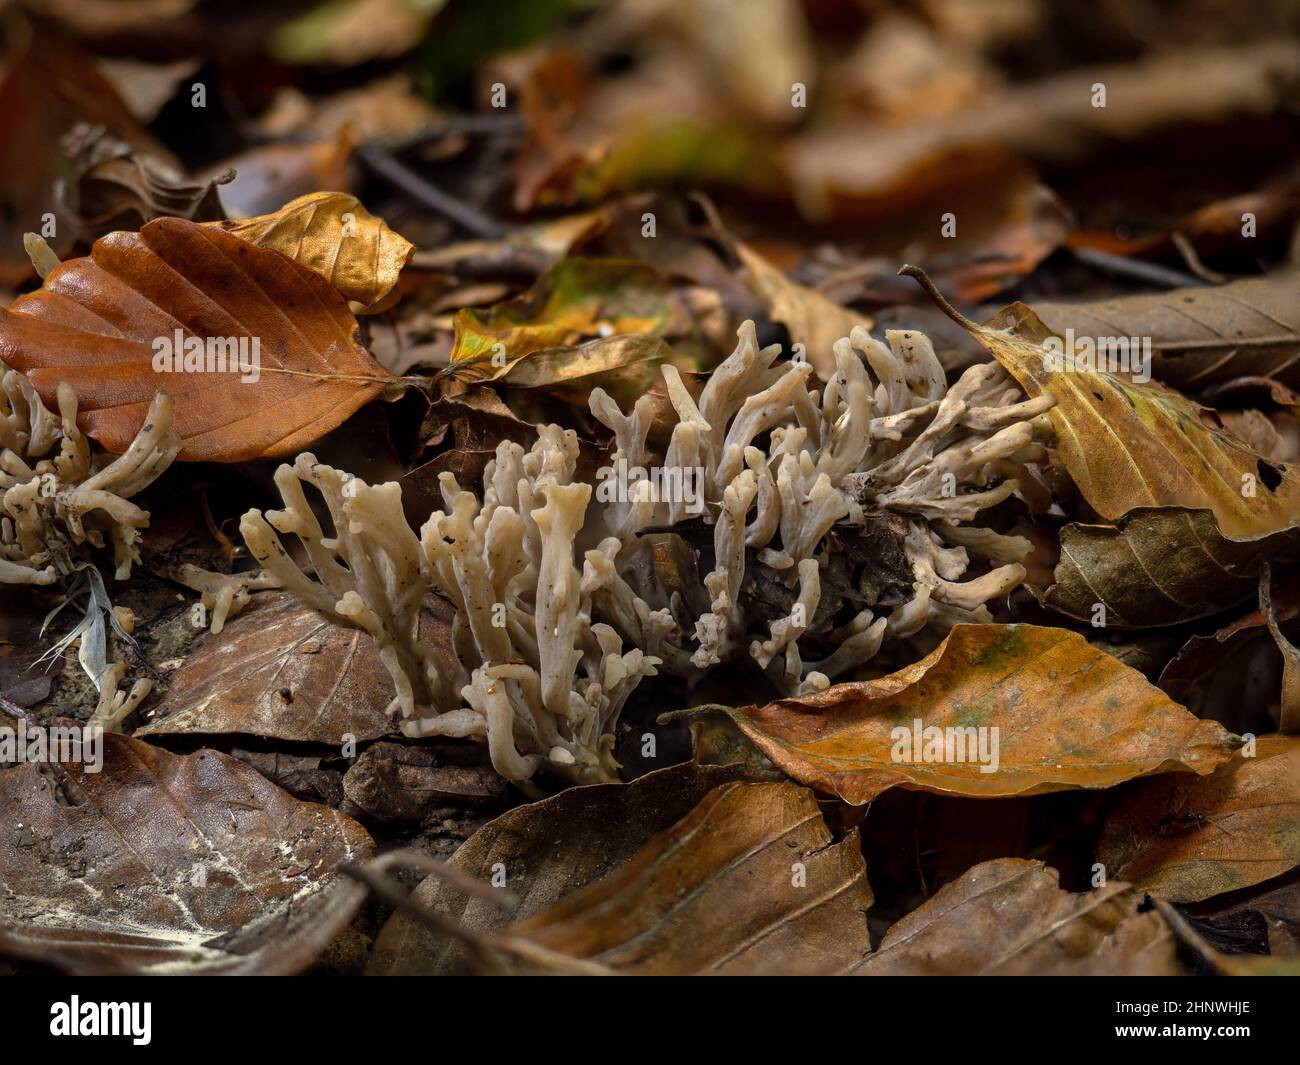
(54, 502)
(547, 590)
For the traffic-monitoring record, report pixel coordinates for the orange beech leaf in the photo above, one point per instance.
(1067, 716)
(109, 322)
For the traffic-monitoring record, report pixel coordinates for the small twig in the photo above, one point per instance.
(18, 713)
(1150, 273)
(932, 290)
(398, 173)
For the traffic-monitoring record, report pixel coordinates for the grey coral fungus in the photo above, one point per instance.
(54, 502)
(538, 663)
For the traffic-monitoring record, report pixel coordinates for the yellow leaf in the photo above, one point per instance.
(1130, 445)
(332, 234)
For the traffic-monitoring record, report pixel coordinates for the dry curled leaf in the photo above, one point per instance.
(1158, 566)
(121, 187)
(98, 320)
(750, 882)
(278, 671)
(333, 235)
(1188, 839)
(1011, 917)
(168, 863)
(1067, 716)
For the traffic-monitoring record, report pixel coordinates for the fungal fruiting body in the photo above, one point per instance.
(559, 605)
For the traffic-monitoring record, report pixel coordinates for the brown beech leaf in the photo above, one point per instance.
(280, 671)
(95, 323)
(1188, 839)
(332, 234)
(750, 882)
(1200, 337)
(547, 850)
(1129, 445)
(1269, 911)
(169, 863)
(812, 319)
(1067, 715)
(1011, 917)
(1158, 566)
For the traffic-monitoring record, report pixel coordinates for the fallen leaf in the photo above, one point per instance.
(121, 187)
(1189, 839)
(545, 850)
(280, 671)
(1129, 445)
(1200, 337)
(1158, 567)
(1010, 917)
(269, 175)
(573, 301)
(97, 321)
(1067, 716)
(1270, 910)
(751, 882)
(758, 51)
(348, 34)
(811, 319)
(846, 164)
(333, 235)
(163, 863)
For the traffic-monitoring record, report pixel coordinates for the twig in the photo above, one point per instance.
(1150, 273)
(398, 173)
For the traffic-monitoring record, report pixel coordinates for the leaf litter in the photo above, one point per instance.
(933, 585)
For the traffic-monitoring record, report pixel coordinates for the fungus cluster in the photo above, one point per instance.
(560, 607)
(54, 497)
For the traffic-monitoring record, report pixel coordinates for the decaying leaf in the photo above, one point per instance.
(1158, 566)
(396, 783)
(119, 186)
(1131, 445)
(545, 850)
(811, 319)
(1200, 336)
(101, 322)
(1066, 715)
(1011, 917)
(1190, 838)
(333, 235)
(163, 863)
(750, 882)
(278, 671)
(575, 300)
